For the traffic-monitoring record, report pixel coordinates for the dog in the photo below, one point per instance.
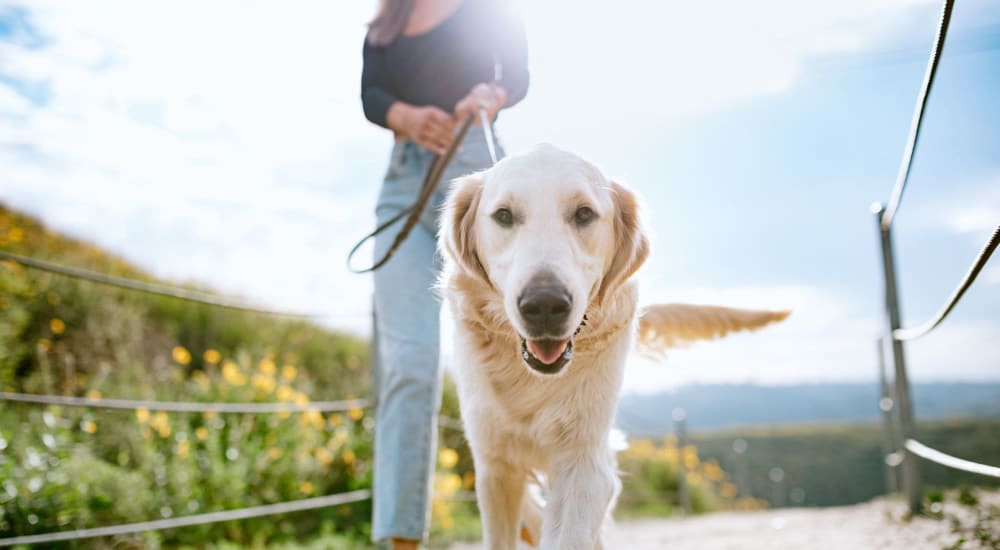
(540, 252)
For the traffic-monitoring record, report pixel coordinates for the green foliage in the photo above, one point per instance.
(63, 468)
(833, 465)
(651, 476)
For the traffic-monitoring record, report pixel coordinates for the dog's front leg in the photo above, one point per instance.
(499, 490)
(582, 486)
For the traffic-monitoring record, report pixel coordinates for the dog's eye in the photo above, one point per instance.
(504, 217)
(584, 215)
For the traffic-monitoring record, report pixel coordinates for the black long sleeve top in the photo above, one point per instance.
(477, 42)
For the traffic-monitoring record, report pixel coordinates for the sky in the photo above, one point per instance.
(224, 142)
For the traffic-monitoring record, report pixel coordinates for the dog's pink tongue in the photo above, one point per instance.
(547, 351)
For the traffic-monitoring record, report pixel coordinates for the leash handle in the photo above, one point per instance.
(431, 179)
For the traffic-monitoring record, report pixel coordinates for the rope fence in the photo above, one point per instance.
(147, 287)
(970, 277)
(899, 407)
(927, 453)
(918, 116)
(187, 521)
(187, 406)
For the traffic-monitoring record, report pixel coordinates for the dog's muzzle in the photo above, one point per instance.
(548, 356)
(544, 307)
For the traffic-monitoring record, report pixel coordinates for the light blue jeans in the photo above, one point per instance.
(405, 369)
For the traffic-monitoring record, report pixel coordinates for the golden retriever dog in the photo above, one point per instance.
(540, 252)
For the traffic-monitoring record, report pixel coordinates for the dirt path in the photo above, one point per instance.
(874, 525)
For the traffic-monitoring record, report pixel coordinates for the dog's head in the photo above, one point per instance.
(550, 236)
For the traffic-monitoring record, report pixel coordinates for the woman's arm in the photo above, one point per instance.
(376, 97)
(429, 126)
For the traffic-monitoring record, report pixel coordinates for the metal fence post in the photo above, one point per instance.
(901, 385)
(683, 492)
(885, 404)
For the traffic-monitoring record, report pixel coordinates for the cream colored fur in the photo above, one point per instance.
(517, 420)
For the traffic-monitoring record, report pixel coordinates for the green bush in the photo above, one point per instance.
(64, 468)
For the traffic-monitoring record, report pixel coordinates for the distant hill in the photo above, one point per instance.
(718, 406)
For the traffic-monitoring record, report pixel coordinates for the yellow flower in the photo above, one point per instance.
(274, 453)
(57, 325)
(161, 424)
(263, 383)
(201, 433)
(323, 456)
(212, 356)
(690, 457)
(355, 413)
(314, 418)
(209, 414)
(447, 484)
(288, 372)
(469, 480)
(713, 471)
(15, 234)
(182, 448)
(285, 393)
(306, 488)
(94, 395)
(267, 366)
(231, 373)
(348, 457)
(301, 399)
(728, 490)
(336, 420)
(142, 414)
(88, 426)
(181, 355)
(340, 436)
(447, 458)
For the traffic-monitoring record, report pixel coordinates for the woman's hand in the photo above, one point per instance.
(430, 127)
(489, 97)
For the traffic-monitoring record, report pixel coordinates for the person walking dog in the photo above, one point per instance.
(428, 65)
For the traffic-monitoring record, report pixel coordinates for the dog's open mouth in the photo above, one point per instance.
(547, 356)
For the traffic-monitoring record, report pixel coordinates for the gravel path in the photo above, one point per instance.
(874, 525)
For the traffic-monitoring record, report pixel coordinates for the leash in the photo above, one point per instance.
(434, 172)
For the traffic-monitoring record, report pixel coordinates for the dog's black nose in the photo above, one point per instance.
(545, 309)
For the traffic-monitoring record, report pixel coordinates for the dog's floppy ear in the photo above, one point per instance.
(458, 238)
(631, 244)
